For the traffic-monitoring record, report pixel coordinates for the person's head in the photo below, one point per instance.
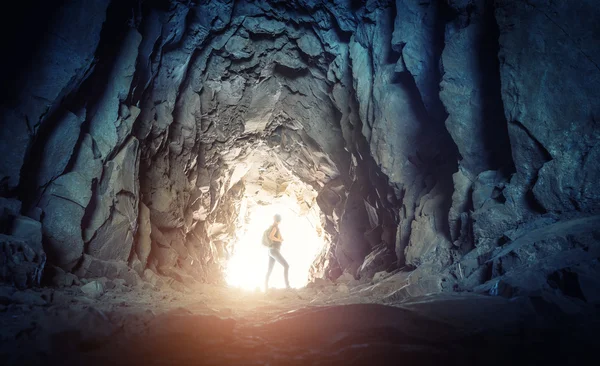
(277, 218)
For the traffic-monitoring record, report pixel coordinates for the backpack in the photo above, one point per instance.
(265, 239)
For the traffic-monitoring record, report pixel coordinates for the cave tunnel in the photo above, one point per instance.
(435, 165)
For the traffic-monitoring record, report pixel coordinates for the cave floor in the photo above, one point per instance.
(323, 325)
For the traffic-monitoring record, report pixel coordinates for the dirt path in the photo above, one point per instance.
(324, 325)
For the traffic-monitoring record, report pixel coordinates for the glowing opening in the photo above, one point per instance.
(302, 243)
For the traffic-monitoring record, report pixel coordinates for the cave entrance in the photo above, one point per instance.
(271, 189)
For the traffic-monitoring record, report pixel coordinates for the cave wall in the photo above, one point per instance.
(455, 137)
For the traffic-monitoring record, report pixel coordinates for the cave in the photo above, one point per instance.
(435, 165)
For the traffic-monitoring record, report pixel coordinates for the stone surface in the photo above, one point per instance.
(114, 221)
(93, 289)
(558, 122)
(64, 203)
(58, 148)
(381, 258)
(20, 265)
(28, 230)
(45, 84)
(432, 137)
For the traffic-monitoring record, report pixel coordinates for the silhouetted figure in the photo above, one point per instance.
(273, 240)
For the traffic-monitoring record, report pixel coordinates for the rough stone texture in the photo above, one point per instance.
(144, 242)
(28, 230)
(93, 289)
(107, 127)
(64, 203)
(438, 136)
(42, 90)
(381, 258)
(91, 267)
(20, 264)
(562, 126)
(114, 222)
(58, 148)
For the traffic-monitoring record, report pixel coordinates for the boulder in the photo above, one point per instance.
(61, 278)
(64, 203)
(93, 289)
(29, 230)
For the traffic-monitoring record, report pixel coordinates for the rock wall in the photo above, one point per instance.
(455, 137)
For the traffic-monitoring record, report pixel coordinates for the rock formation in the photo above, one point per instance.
(454, 139)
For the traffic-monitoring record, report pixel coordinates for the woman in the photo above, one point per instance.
(275, 240)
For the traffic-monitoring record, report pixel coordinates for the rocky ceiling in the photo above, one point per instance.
(457, 139)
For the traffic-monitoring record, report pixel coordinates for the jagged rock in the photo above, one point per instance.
(86, 162)
(379, 276)
(373, 236)
(458, 217)
(417, 44)
(114, 221)
(105, 123)
(476, 120)
(163, 256)
(553, 129)
(290, 58)
(28, 230)
(379, 259)
(423, 281)
(310, 44)
(426, 243)
(177, 275)
(20, 264)
(91, 267)
(201, 105)
(64, 203)
(153, 279)
(261, 25)
(239, 48)
(66, 45)
(345, 278)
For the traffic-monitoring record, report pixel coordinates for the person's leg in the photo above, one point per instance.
(276, 254)
(269, 270)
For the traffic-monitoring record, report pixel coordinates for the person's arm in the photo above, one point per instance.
(273, 237)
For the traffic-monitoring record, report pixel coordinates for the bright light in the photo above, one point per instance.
(248, 266)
